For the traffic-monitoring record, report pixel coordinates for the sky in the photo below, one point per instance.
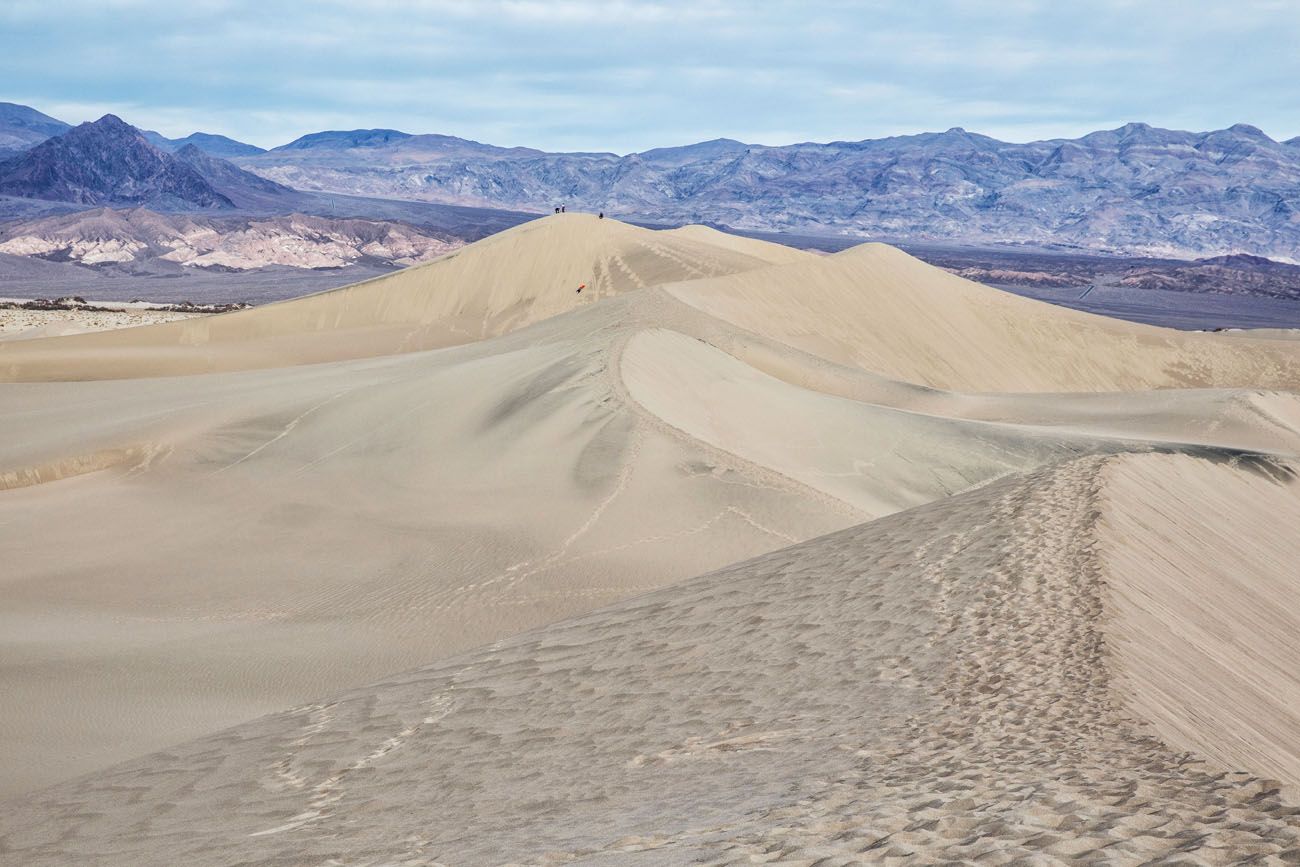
(622, 75)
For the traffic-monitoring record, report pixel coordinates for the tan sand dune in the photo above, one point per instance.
(773, 254)
(256, 539)
(877, 308)
(183, 553)
(1253, 420)
(509, 280)
(878, 459)
(935, 686)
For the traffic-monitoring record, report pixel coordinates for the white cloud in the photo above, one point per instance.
(619, 74)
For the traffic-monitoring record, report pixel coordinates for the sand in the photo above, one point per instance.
(931, 686)
(507, 281)
(877, 308)
(18, 324)
(470, 472)
(1204, 638)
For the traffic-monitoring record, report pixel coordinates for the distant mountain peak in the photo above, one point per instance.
(346, 139)
(699, 150)
(1139, 130)
(216, 145)
(107, 161)
(21, 127)
(14, 115)
(113, 123)
(1245, 129)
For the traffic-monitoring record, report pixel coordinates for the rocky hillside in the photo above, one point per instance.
(107, 162)
(245, 190)
(105, 236)
(1136, 189)
(22, 127)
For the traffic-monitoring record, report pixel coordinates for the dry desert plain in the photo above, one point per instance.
(739, 555)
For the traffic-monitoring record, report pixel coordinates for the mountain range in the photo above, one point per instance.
(111, 163)
(1135, 190)
(133, 208)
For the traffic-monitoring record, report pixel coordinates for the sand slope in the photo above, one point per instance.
(520, 276)
(229, 544)
(483, 450)
(877, 308)
(876, 458)
(1204, 635)
(929, 686)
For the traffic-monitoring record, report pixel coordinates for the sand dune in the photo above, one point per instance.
(520, 276)
(931, 686)
(876, 458)
(877, 308)
(208, 521)
(307, 528)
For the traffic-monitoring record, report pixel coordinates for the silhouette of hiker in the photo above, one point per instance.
(563, 209)
(602, 215)
(557, 210)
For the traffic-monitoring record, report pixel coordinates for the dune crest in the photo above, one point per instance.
(879, 309)
(506, 281)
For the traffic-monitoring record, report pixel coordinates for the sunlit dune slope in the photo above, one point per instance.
(879, 309)
(773, 254)
(938, 685)
(185, 552)
(509, 280)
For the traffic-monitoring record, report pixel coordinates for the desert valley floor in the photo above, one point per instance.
(741, 554)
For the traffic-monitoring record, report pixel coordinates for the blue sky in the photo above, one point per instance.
(622, 75)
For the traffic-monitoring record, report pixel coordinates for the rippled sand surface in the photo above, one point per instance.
(978, 579)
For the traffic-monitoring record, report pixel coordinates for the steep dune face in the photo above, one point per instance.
(518, 277)
(876, 308)
(1204, 563)
(876, 458)
(933, 686)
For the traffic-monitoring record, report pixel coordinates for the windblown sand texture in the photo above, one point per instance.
(988, 581)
